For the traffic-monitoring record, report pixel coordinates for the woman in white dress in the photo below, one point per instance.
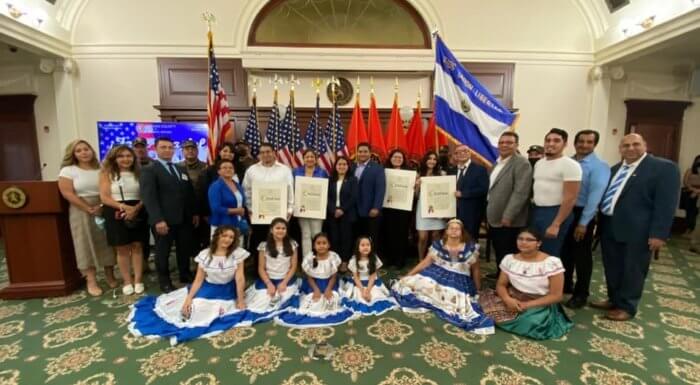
(428, 228)
(212, 304)
(277, 264)
(446, 282)
(365, 293)
(318, 303)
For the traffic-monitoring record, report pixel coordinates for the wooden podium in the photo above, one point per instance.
(38, 243)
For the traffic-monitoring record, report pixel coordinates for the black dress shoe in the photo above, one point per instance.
(167, 288)
(575, 303)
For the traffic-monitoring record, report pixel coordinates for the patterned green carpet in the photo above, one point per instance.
(83, 340)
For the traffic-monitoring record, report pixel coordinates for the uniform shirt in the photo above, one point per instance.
(549, 176)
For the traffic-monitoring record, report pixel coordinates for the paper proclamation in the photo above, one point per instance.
(269, 202)
(438, 196)
(400, 186)
(310, 197)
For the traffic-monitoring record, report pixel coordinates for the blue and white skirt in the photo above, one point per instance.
(263, 307)
(450, 295)
(304, 312)
(213, 311)
(380, 302)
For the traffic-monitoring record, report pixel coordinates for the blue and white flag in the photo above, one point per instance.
(464, 109)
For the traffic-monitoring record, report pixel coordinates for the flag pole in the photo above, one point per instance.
(396, 102)
(209, 19)
(334, 81)
(317, 84)
(357, 100)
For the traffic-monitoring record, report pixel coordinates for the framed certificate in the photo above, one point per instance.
(400, 186)
(310, 197)
(269, 202)
(437, 195)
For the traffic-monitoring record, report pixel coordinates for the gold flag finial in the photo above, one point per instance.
(371, 85)
(316, 83)
(293, 81)
(209, 18)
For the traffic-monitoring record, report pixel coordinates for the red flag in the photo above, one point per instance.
(395, 137)
(434, 139)
(357, 133)
(376, 138)
(416, 145)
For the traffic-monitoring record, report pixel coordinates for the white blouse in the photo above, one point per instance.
(130, 187)
(85, 182)
(277, 268)
(221, 269)
(531, 277)
(324, 269)
(362, 267)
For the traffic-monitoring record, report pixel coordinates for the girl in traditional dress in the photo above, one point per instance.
(446, 282)
(528, 292)
(365, 293)
(319, 303)
(277, 264)
(212, 304)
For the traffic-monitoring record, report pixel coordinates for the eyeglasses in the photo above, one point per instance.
(523, 239)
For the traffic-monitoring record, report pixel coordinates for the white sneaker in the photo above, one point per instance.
(128, 289)
(138, 288)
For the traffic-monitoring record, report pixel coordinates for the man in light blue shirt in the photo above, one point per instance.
(577, 254)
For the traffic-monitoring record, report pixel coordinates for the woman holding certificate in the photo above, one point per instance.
(395, 222)
(309, 226)
(342, 209)
(226, 200)
(427, 227)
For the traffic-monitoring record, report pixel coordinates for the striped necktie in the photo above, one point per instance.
(606, 205)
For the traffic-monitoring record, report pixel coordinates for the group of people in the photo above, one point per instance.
(540, 221)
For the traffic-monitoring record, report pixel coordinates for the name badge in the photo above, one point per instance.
(185, 177)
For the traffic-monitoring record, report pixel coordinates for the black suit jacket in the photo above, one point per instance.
(647, 204)
(474, 185)
(348, 198)
(166, 197)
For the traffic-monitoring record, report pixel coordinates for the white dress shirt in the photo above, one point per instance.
(630, 171)
(278, 172)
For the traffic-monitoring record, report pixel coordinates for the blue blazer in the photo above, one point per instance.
(371, 186)
(647, 204)
(221, 199)
(348, 198)
(318, 172)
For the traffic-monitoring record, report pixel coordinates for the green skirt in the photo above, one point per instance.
(540, 323)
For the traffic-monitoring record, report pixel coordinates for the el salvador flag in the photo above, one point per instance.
(466, 110)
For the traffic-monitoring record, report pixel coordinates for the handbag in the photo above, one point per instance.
(243, 226)
(128, 223)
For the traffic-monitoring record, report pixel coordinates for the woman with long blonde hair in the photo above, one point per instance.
(78, 183)
(125, 219)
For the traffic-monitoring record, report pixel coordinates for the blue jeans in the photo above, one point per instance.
(541, 217)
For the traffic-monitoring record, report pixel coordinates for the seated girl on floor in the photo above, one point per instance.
(365, 293)
(446, 282)
(318, 303)
(277, 264)
(528, 291)
(212, 304)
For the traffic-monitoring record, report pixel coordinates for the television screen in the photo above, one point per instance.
(112, 133)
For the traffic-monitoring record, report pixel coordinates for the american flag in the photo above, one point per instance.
(316, 140)
(217, 106)
(252, 131)
(336, 134)
(273, 126)
(291, 146)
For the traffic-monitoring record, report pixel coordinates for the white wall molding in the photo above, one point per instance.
(637, 44)
(594, 16)
(33, 39)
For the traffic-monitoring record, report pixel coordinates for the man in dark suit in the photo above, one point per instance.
(169, 199)
(472, 187)
(371, 187)
(637, 211)
(510, 183)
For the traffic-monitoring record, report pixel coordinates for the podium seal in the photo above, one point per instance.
(14, 197)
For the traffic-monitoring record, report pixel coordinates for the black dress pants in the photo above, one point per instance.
(182, 235)
(504, 241)
(577, 256)
(340, 232)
